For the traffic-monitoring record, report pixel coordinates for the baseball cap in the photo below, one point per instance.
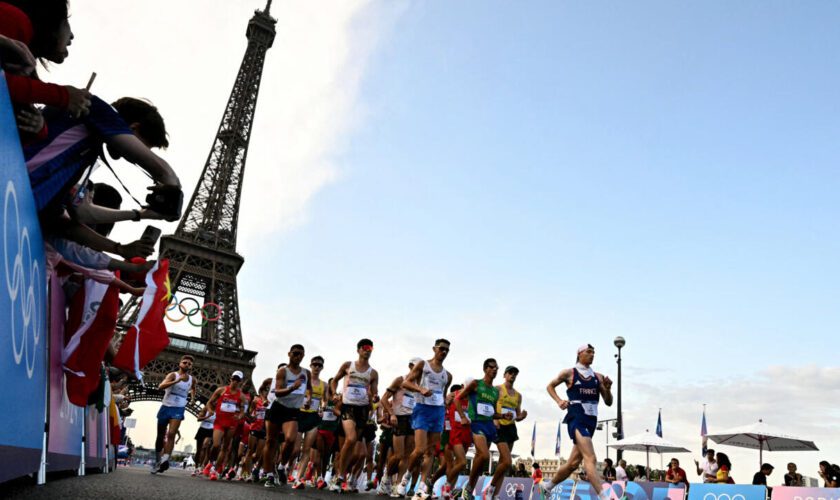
(767, 466)
(584, 347)
(511, 368)
(238, 374)
(414, 361)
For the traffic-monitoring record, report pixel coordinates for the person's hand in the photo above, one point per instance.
(148, 213)
(426, 392)
(296, 384)
(18, 58)
(139, 248)
(30, 120)
(183, 377)
(507, 415)
(136, 291)
(523, 414)
(393, 419)
(607, 383)
(563, 404)
(78, 103)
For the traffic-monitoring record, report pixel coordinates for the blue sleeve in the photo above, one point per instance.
(104, 120)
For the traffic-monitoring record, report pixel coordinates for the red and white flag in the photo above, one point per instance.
(88, 332)
(146, 338)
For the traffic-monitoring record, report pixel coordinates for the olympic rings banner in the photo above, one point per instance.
(23, 331)
(711, 491)
(582, 490)
(793, 493)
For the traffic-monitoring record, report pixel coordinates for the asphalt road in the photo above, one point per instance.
(137, 483)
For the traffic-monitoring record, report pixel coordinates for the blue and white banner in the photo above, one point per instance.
(711, 491)
(23, 317)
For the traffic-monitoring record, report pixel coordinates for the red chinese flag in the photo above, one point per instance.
(146, 338)
(88, 331)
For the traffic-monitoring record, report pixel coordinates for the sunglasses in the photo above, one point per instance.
(297, 353)
(442, 348)
(367, 348)
(493, 367)
(317, 365)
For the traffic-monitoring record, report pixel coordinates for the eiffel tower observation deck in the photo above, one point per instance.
(202, 251)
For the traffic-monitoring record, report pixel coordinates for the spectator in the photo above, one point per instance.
(55, 168)
(760, 477)
(708, 467)
(675, 474)
(620, 471)
(520, 470)
(609, 470)
(830, 475)
(793, 478)
(641, 473)
(724, 469)
(537, 475)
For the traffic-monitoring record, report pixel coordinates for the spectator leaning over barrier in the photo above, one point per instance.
(708, 467)
(15, 56)
(793, 478)
(73, 146)
(724, 469)
(675, 474)
(609, 470)
(620, 471)
(760, 477)
(43, 26)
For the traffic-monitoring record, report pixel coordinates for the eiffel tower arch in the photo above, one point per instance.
(203, 261)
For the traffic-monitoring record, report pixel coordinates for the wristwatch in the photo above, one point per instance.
(136, 215)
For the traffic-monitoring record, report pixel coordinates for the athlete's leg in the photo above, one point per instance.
(395, 461)
(290, 432)
(161, 436)
(457, 465)
(565, 470)
(429, 453)
(482, 456)
(503, 466)
(590, 461)
(421, 441)
(346, 453)
(270, 447)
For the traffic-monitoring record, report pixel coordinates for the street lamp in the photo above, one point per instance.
(619, 343)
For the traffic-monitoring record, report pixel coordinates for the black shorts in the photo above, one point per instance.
(260, 434)
(357, 414)
(507, 434)
(279, 414)
(202, 434)
(403, 427)
(308, 421)
(369, 433)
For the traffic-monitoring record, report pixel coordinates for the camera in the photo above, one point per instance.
(167, 201)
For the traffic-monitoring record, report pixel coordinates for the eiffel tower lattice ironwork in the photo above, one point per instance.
(203, 261)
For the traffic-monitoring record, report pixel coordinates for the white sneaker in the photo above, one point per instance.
(395, 491)
(335, 484)
(487, 494)
(402, 487)
(545, 488)
(384, 487)
(421, 492)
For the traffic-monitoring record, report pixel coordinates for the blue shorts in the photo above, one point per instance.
(485, 428)
(167, 413)
(428, 418)
(584, 425)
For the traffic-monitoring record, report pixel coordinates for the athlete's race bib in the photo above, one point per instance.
(329, 416)
(447, 425)
(299, 390)
(436, 399)
(590, 409)
(229, 407)
(457, 417)
(408, 402)
(512, 411)
(315, 403)
(485, 409)
(356, 393)
(260, 414)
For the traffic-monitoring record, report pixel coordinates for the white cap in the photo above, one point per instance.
(239, 374)
(584, 347)
(414, 361)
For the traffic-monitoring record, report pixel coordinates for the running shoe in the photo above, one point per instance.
(487, 494)
(369, 485)
(545, 490)
(206, 471)
(465, 493)
(281, 475)
(321, 484)
(384, 487)
(446, 492)
(298, 485)
(401, 489)
(194, 473)
(269, 481)
(335, 484)
(255, 474)
(214, 476)
(395, 491)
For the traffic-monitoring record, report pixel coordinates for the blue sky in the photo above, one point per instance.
(525, 177)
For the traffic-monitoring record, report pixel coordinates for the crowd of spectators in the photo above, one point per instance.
(65, 134)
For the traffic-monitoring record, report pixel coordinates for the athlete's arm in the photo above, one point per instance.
(338, 376)
(412, 380)
(192, 390)
(285, 391)
(465, 392)
(243, 403)
(562, 377)
(169, 381)
(520, 413)
(606, 388)
(389, 393)
(374, 386)
(211, 403)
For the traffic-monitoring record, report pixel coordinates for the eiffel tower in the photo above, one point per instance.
(202, 253)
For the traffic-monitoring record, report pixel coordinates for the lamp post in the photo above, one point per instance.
(619, 343)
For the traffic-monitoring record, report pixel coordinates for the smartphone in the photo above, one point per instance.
(151, 235)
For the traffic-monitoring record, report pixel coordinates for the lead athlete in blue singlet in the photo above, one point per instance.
(584, 388)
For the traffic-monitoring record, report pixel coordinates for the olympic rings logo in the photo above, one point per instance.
(510, 490)
(723, 496)
(205, 311)
(24, 284)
